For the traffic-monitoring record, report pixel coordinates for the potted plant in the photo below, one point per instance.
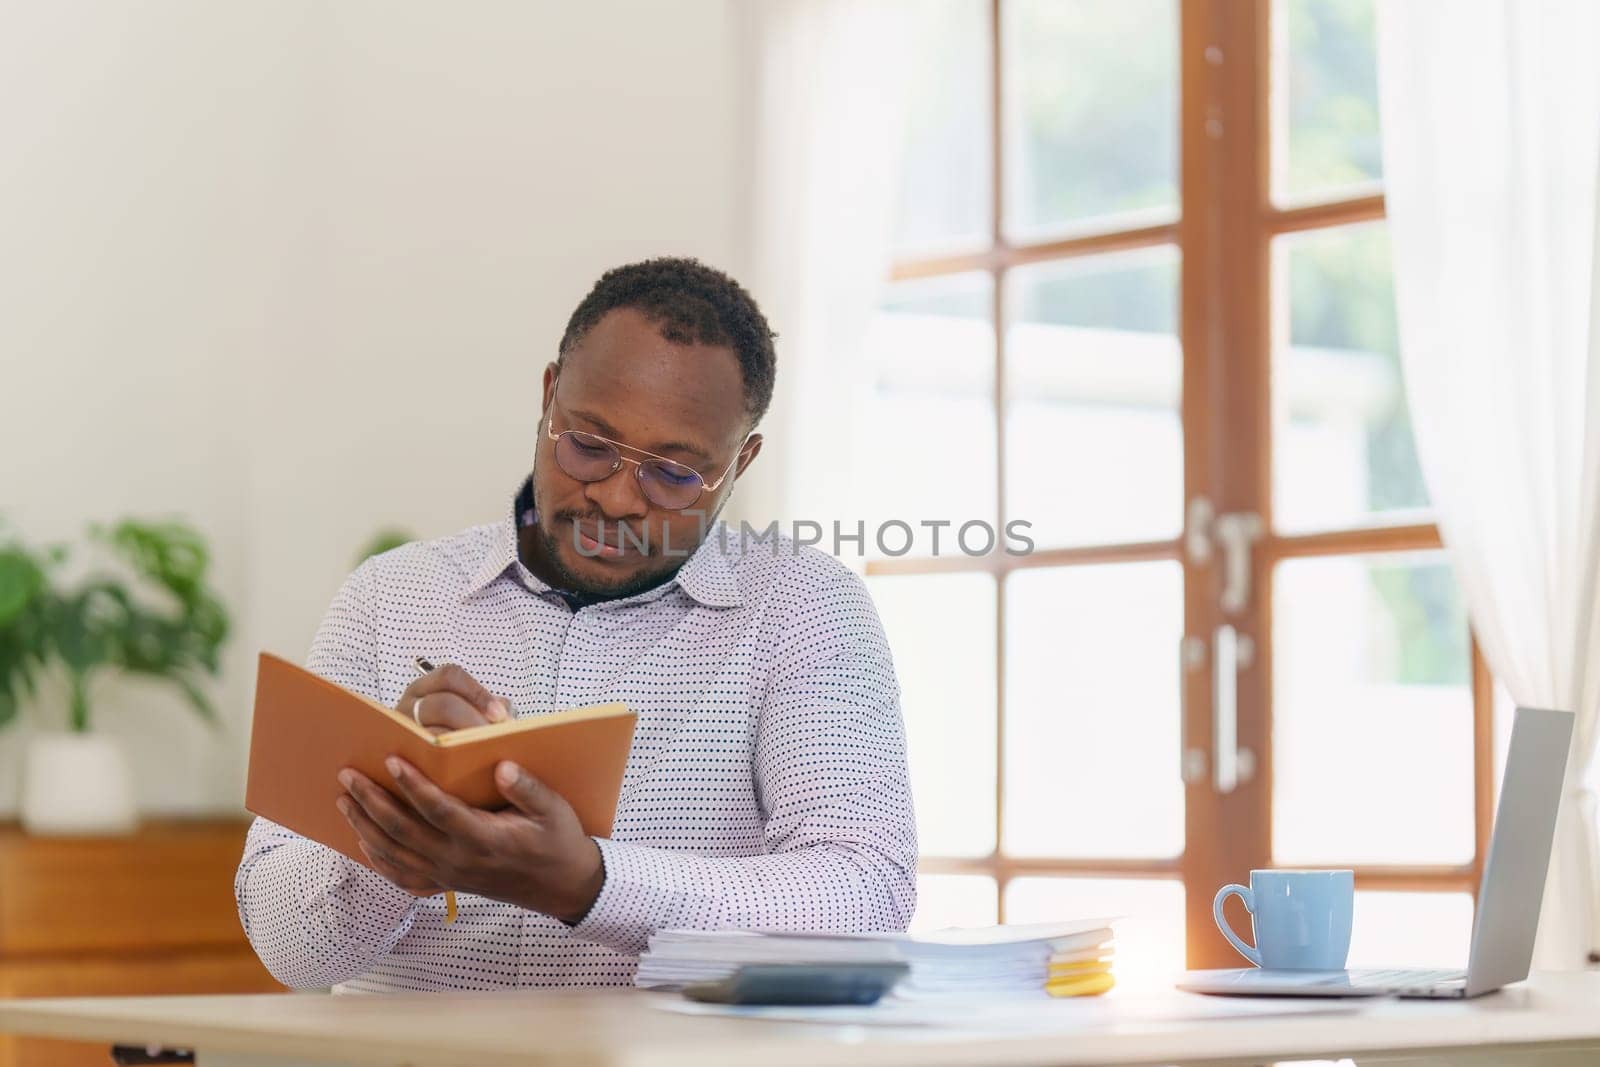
(24, 647)
(157, 619)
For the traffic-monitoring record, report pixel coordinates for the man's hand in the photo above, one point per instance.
(533, 854)
(448, 698)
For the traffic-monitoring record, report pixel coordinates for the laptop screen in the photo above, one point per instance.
(1514, 872)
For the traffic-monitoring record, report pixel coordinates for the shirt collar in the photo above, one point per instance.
(707, 576)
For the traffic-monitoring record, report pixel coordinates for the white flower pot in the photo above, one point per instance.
(76, 784)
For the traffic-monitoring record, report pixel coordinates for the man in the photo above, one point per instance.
(767, 784)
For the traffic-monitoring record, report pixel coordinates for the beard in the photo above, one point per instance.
(647, 578)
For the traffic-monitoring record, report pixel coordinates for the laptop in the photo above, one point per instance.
(1508, 899)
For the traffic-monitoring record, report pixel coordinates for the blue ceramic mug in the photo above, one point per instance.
(1301, 919)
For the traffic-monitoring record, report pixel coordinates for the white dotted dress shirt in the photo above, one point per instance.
(766, 787)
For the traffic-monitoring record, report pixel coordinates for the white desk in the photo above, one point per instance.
(1554, 1017)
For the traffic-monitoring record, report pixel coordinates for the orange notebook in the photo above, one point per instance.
(307, 729)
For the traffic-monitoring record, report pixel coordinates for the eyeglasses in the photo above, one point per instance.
(589, 457)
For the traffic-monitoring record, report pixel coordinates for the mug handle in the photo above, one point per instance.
(1249, 952)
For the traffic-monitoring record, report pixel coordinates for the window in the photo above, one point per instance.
(1143, 278)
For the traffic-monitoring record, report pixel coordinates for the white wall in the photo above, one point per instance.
(292, 270)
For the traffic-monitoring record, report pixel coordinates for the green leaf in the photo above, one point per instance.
(100, 622)
(24, 601)
(20, 581)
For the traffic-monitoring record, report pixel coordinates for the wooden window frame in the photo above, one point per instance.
(1224, 235)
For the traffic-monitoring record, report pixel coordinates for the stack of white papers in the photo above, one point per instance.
(964, 962)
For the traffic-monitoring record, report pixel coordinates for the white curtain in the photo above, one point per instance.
(1491, 148)
(831, 81)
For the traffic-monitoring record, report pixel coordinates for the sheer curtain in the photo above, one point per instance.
(1491, 148)
(829, 121)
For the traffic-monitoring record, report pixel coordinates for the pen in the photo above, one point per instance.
(449, 895)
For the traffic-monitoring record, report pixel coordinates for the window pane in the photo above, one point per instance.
(1372, 726)
(1149, 930)
(955, 900)
(1091, 115)
(1411, 929)
(941, 629)
(1325, 99)
(928, 428)
(945, 197)
(1094, 378)
(1091, 740)
(1343, 448)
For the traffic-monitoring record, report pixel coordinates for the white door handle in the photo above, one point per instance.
(1230, 764)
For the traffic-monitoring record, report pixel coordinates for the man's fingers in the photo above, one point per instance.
(453, 679)
(416, 885)
(389, 815)
(383, 850)
(525, 792)
(448, 711)
(442, 811)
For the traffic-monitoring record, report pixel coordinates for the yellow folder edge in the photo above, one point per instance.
(1069, 968)
(1090, 985)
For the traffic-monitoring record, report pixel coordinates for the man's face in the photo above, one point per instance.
(627, 383)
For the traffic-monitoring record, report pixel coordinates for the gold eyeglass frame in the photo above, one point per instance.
(616, 465)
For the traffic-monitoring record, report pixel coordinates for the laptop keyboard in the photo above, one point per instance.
(1407, 978)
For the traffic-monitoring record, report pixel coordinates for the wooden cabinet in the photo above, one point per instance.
(146, 914)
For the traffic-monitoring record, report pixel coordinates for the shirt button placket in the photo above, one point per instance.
(575, 647)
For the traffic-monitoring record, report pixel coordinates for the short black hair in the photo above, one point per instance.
(690, 303)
